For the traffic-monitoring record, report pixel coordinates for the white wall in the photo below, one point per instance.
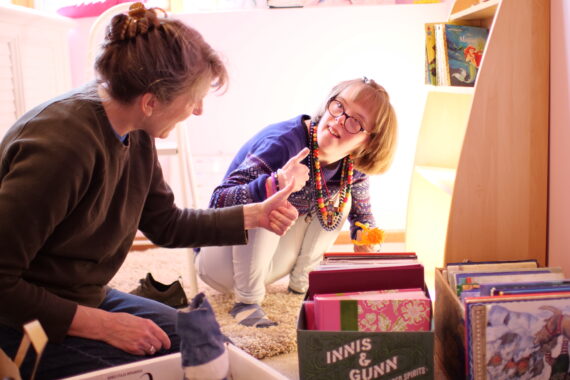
(559, 218)
(282, 62)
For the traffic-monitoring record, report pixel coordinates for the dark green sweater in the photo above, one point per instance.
(71, 199)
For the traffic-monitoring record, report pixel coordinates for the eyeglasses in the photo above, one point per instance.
(351, 125)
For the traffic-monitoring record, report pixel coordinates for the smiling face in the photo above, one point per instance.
(335, 141)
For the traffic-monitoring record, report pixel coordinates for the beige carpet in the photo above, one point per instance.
(167, 265)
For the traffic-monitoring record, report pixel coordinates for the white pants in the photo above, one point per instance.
(267, 257)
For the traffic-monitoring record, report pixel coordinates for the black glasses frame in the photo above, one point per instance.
(347, 117)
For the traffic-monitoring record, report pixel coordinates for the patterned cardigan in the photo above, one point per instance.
(269, 150)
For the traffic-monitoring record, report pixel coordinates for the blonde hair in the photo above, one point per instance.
(375, 157)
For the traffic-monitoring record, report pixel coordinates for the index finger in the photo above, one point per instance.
(301, 155)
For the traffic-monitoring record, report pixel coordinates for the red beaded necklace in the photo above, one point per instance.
(329, 216)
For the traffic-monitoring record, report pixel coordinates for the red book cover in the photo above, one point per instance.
(309, 307)
(365, 279)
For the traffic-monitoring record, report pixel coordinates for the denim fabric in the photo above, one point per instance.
(79, 355)
(201, 338)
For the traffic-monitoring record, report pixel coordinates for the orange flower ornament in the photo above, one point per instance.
(369, 236)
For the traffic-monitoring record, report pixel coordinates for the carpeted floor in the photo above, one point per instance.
(167, 265)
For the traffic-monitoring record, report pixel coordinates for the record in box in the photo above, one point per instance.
(518, 336)
(359, 355)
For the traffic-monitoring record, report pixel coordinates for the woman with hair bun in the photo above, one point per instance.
(79, 175)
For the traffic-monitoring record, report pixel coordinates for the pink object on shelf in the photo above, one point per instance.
(91, 9)
(396, 310)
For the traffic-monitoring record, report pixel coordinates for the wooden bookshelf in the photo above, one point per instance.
(475, 11)
(438, 150)
(494, 139)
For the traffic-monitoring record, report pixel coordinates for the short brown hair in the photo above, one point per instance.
(143, 53)
(376, 157)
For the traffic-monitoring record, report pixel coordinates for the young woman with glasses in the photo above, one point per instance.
(328, 159)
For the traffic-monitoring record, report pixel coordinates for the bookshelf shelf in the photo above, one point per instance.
(475, 12)
(443, 178)
(494, 138)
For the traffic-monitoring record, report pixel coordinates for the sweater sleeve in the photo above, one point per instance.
(169, 226)
(361, 210)
(246, 183)
(38, 189)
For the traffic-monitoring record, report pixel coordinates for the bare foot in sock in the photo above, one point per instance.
(251, 315)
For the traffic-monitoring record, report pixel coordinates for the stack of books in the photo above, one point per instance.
(366, 316)
(517, 318)
(345, 301)
(453, 53)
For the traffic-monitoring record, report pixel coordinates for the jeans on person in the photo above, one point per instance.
(76, 355)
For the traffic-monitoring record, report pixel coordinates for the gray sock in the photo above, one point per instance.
(251, 315)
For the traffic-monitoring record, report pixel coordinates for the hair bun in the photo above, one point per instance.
(137, 10)
(139, 20)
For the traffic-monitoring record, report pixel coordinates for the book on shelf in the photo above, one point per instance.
(501, 289)
(489, 276)
(517, 336)
(513, 277)
(431, 77)
(380, 311)
(473, 266)
(458, 53)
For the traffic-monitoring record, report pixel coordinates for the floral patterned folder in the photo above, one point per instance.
(374, 311)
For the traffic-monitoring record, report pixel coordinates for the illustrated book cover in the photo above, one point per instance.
(459, 50)
(472, 280)
(430, 54)
(522, 336)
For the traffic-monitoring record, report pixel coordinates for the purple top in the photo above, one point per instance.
(269, 150)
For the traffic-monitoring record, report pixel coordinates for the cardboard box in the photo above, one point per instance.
(449, 317)
(358, 355)
(169, 367)
(34, 336)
